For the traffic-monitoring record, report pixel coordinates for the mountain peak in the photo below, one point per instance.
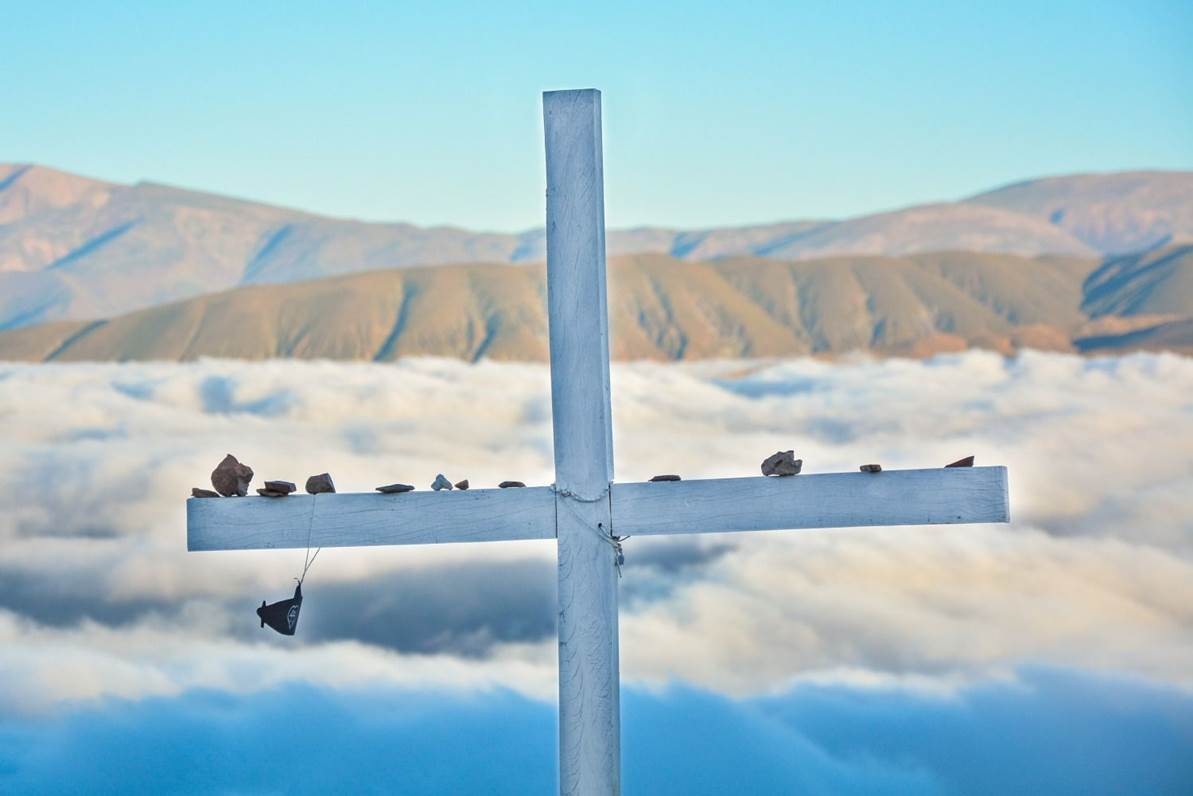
(27, 189)
(74, 247)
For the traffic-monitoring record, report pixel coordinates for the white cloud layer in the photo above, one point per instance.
(1095, 571)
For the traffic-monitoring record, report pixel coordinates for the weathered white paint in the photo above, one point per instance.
(589, 702)
(833, 500)
(583, 508)
(353, 520)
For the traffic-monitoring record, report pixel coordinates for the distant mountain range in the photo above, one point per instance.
(662, 307)
(75, 248)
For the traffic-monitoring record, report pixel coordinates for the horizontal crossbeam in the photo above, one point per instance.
(833, 500)
(354, 520)
(717, 505)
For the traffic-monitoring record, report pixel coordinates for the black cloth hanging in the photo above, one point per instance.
(282, 616)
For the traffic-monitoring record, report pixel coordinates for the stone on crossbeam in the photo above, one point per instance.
(510, 485)
(231, 477)
(272, 493)
(462, 484)
(393, 489)
(196, 492)
(320, 484)
(658, 478)
(782, 463)
(280, 486)
(871, 468)
(441, 482)
(966, 462)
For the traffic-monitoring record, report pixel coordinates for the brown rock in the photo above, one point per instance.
(966, 462)
(231, 477)
(441, 482)
(391, 489)
(203, 493)
(319, 484)
(510, 484)
(782, 463)
(658, 478)
(280, 486)
(871, 468)
(263, 492)
(462, 484)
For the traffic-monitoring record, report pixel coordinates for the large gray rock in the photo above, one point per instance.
(231, 477)
(320, 484)
(441, 482)
(782, 463)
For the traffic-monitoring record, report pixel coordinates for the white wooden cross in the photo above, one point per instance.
(585, 508)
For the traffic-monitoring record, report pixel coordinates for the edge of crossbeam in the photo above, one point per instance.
(361, 519)
(831, 500)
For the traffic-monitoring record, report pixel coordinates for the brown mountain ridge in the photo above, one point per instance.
(75, 248)
(664, 308)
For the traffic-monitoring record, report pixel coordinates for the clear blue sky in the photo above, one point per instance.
(715, 113)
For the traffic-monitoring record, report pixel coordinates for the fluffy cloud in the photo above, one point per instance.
(98, 597)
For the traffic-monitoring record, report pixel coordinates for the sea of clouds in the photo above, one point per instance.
(1053, 653)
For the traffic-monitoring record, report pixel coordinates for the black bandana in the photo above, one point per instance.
(282, 616)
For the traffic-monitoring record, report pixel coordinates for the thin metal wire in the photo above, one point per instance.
(308, 559)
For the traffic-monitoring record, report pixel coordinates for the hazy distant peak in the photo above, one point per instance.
(74, 247)
(26, 189)
(1114, 213)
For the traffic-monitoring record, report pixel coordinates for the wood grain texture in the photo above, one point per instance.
(589, 712)
(576, 298)
(352, 520)
(834, 500)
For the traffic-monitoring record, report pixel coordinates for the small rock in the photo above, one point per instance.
(966, 462)
(441, 482)
(280, 486)
(203, 493)
(319, 484)
(462, 484)
(665, 478)
(871, 468)
(231, 477)
(272, 492)
(782, 463)
(510, 484)
(391, 489)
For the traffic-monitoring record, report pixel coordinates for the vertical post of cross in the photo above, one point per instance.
(589, 711)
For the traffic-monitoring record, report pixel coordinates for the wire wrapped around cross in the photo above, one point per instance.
(615, 543)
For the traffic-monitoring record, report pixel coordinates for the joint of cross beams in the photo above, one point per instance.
(580, 498)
